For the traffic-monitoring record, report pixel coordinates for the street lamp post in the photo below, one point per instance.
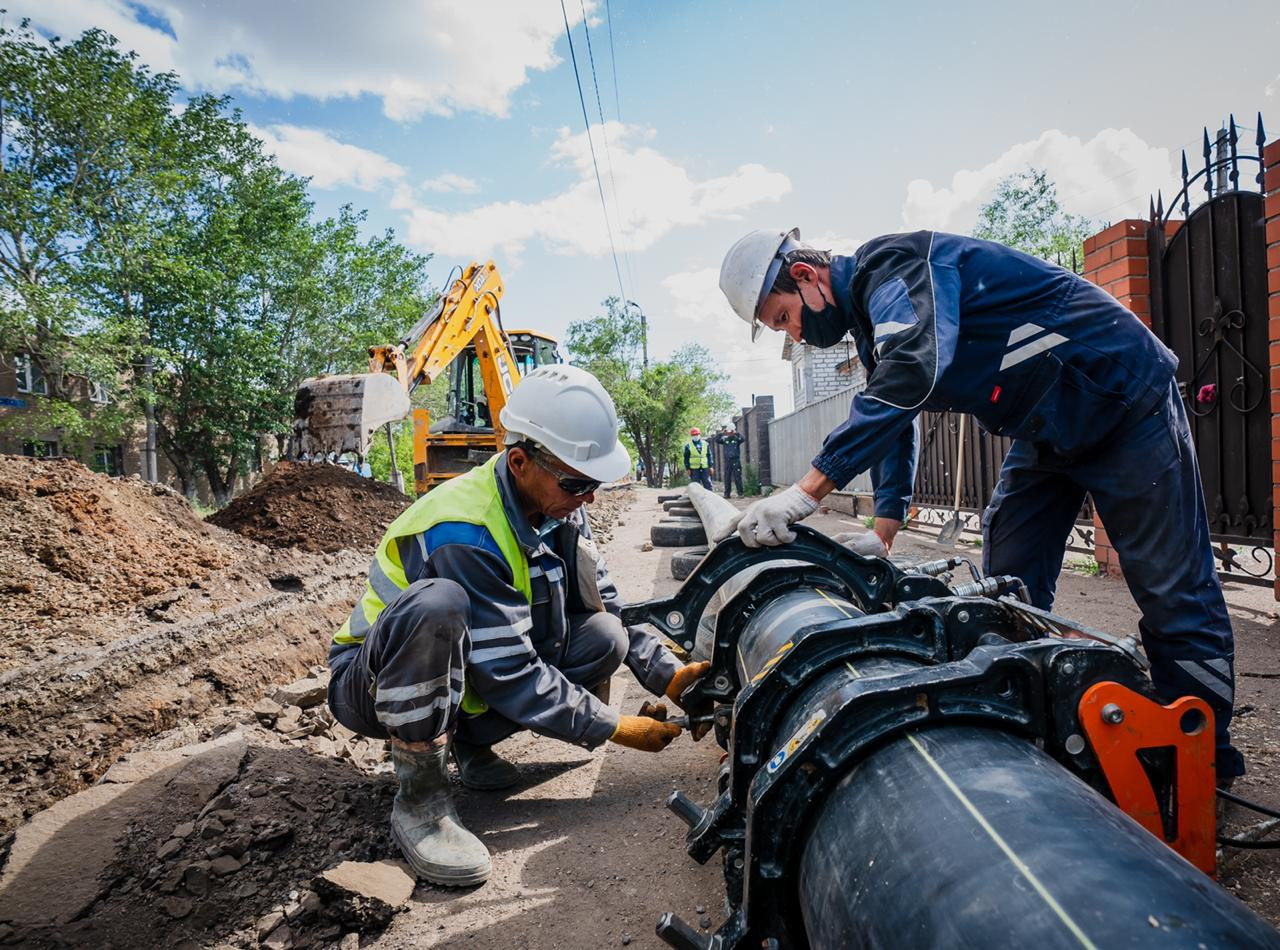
(644, 332)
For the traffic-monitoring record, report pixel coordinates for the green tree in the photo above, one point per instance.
(84, 130)
(1026, 215)
(656, 404)
(254, 298)
(158, 249)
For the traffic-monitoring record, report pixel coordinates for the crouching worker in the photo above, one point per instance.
(488, 611)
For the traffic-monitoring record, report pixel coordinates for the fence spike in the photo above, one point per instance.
(1208, 163)
(1261, 141)
(1186, 184)
(1159, 205)
(1232, 138)
(1151, 206)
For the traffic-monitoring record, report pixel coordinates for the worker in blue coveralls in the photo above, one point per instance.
(1033, 352)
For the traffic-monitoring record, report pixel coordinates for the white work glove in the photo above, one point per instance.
(866, 543)
(768, 522)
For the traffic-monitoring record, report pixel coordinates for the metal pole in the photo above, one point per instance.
(644, 332)
(1221, 146)
(396, 478)
(150, 468)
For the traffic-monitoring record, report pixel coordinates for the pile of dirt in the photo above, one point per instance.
(320, 508)
(76, 543)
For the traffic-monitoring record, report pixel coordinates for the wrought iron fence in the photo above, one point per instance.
(1209, 305)
(978, 470)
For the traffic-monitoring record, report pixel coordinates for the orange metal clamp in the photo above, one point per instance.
(1120, 723)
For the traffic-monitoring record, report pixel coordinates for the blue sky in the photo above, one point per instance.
(459, 125)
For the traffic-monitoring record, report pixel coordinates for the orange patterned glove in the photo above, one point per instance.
(644, 733)
(685, 677)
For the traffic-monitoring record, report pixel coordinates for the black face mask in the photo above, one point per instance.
(821, 328)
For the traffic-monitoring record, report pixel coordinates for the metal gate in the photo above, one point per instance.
(1209, 305)
(979, 472)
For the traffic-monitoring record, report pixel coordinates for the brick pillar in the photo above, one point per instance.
(1271, 187)
(1116, 260)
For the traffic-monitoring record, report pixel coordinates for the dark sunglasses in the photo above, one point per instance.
(569, 484)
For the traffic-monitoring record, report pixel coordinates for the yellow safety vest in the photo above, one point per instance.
(472, 498)
(697, 457)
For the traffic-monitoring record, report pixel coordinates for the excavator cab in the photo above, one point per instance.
(468, 408)
(464, 438)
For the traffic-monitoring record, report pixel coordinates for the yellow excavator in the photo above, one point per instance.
(461, 335)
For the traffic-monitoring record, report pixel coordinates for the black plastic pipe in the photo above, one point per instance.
(963, 836)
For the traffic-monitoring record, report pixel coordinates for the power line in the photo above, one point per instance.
(608, 156)
(604, 207)
(613, 61)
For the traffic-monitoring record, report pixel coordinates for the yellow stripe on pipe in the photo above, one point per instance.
(1018, 863)
(832, 602)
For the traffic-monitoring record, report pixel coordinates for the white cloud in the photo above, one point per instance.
(1109, 177)
(833, 241)
(326, 161)
(416, 56)
(1273, 87)
(700, 314)
(451, 182)
(654, 196)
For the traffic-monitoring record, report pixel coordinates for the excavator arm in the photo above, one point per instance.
(467, 316)
(341, 413)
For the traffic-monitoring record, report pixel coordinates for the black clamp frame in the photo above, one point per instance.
(870, 581)
(1031, 689)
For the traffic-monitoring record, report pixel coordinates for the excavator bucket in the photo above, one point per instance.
(341, 413)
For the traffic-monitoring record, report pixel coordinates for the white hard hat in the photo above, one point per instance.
(750, 268)
(566, 411)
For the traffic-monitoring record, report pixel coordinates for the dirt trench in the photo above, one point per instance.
(126, 614)
(66, 719)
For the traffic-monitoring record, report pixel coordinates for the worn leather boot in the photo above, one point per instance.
(482, 768)
(425, 825)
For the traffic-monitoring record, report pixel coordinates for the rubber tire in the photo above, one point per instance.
(683, 562)
(670, 497)
(686, 511)
(678, 534)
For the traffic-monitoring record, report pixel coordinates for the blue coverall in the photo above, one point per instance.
(1034, 352)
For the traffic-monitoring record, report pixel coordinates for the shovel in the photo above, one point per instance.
(951, 530)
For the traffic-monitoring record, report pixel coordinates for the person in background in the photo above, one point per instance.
(697, 459)
(731, 446)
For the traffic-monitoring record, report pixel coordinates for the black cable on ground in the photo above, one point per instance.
(1253, 806)
(1246, 843)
